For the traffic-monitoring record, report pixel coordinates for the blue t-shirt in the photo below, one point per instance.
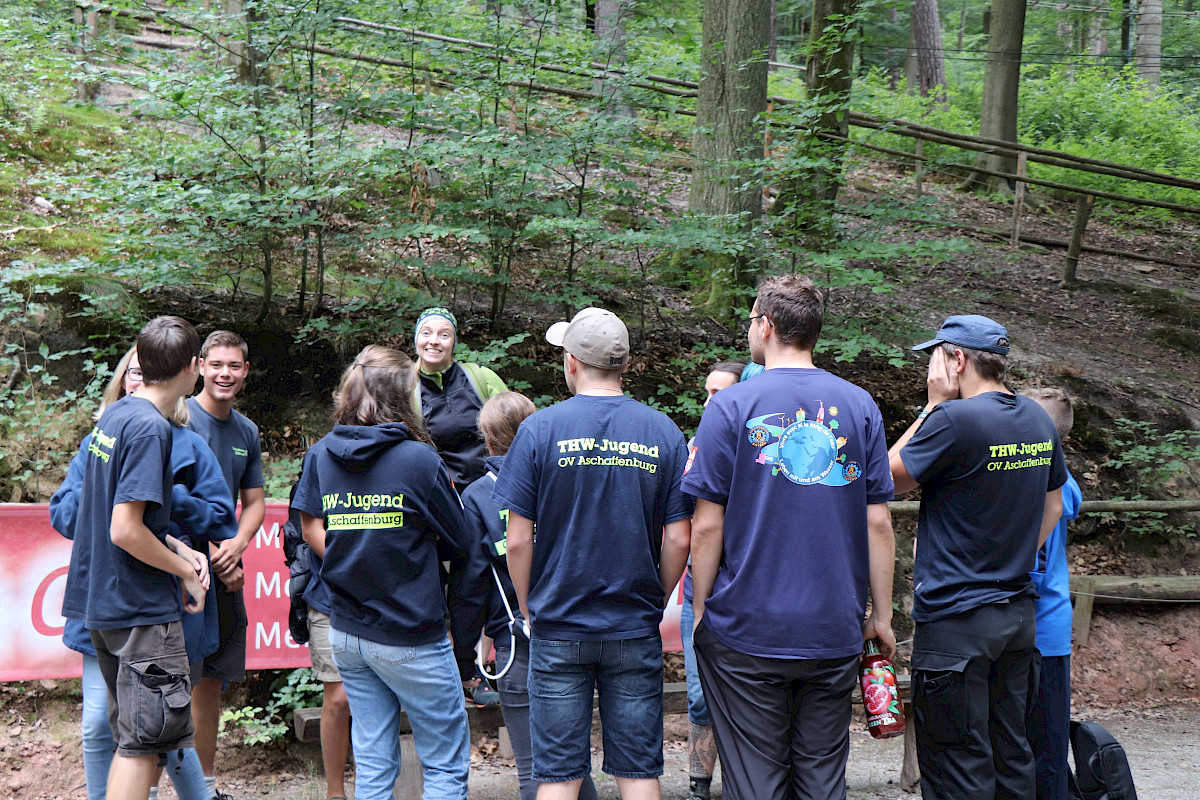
(128, 460)
(985, 465)
(1052, 580)
(600, 477)
(795, 456)
(391, 515)
(234, 442)
(200, 511)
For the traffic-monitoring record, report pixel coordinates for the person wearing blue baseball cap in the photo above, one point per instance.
(991, 470)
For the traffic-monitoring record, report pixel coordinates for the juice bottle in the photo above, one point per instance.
(885, 714)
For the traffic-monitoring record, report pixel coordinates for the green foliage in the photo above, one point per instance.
(1149, 460)
(1112, 116)
(293, 689)
(279, 475)
(39, 420)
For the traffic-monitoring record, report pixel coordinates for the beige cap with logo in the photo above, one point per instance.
(594, 336)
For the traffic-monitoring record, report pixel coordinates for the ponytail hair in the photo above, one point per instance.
(375, 390)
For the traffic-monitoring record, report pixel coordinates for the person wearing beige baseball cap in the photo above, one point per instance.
(600, 474)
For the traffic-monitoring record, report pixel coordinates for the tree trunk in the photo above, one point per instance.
(1001, 77)
(1149, 41)
(727, 137)
(611, 16)
(927, 38)
(808, 195)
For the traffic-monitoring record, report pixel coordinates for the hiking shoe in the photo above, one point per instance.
(483, 695)
(219, 795)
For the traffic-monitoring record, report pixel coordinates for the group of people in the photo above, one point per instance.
(442, 506)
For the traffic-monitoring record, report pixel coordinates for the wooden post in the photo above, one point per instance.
(919, 168)
(1081, 624)
(1018, 200)
(910, 770)
(1082, 212)
(80, 37)
(410, 783)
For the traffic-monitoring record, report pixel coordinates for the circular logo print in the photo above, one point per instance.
(807, 451)
(851, 471)
(759, 436)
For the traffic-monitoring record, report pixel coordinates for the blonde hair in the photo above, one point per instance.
(114, 390)
(500, 417)
(1057, 404)
(375, 390)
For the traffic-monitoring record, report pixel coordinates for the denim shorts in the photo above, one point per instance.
(628, 675)
(146, 669)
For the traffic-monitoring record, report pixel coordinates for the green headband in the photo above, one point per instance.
(436, 311)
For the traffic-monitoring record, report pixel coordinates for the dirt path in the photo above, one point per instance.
(1163, 746)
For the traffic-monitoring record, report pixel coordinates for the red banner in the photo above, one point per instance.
(33, 575)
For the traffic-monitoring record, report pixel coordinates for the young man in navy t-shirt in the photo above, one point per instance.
(224, 365)
(125, 573)
(991, 472)
(599, 475)
(791, 534)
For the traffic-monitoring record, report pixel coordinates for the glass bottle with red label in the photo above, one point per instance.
(877, 677)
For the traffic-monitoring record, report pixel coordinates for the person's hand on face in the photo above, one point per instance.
(943, 377)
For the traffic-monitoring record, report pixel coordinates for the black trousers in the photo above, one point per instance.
(782, 725)
(975, 677)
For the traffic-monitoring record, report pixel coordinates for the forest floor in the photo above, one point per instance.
(41, 757)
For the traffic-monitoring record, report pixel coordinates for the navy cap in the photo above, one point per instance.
(973, 331)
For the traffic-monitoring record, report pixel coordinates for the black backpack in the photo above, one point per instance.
(1101, 766)
(298, 557)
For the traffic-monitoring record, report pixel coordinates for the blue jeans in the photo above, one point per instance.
(697, 708)
(422, 680)
(98, 745)
(628, 674)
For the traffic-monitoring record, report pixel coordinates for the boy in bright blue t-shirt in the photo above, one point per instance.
(1049, 723)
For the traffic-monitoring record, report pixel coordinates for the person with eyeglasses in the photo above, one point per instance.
(791, 536)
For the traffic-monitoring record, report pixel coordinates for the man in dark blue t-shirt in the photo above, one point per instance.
(124, 565)
(991, 471)
(599, 474)
(791, 531)
(224, 365)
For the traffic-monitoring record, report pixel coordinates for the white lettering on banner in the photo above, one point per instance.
(270, 638)
(267, 585)
(265, 539)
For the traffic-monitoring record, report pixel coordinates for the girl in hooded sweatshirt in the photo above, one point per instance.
(378, 507)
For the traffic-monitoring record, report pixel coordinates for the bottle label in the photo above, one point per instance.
(880, 698)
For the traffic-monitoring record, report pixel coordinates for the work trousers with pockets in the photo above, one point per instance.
(975, 677)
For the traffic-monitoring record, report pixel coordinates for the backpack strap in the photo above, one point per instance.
(486, 382)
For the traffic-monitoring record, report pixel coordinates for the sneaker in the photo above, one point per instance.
(219, 795)
(483, 695)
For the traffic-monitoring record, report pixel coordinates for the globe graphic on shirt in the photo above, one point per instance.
(807, 451)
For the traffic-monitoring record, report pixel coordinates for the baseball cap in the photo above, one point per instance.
(973, 331)
(594, 336)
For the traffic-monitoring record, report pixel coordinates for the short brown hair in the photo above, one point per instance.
(1057, 404)
(376, 389)
(166, 347)
(114, 390)
(500, 417)
(990, 366)
(733, 367)
(795, 307)
(225, 339)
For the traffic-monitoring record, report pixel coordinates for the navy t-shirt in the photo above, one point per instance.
(600, 477)
(487, 523)
(234, 442)
(128, 460)
(390, 515)
(795, 456)
(985, 465)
